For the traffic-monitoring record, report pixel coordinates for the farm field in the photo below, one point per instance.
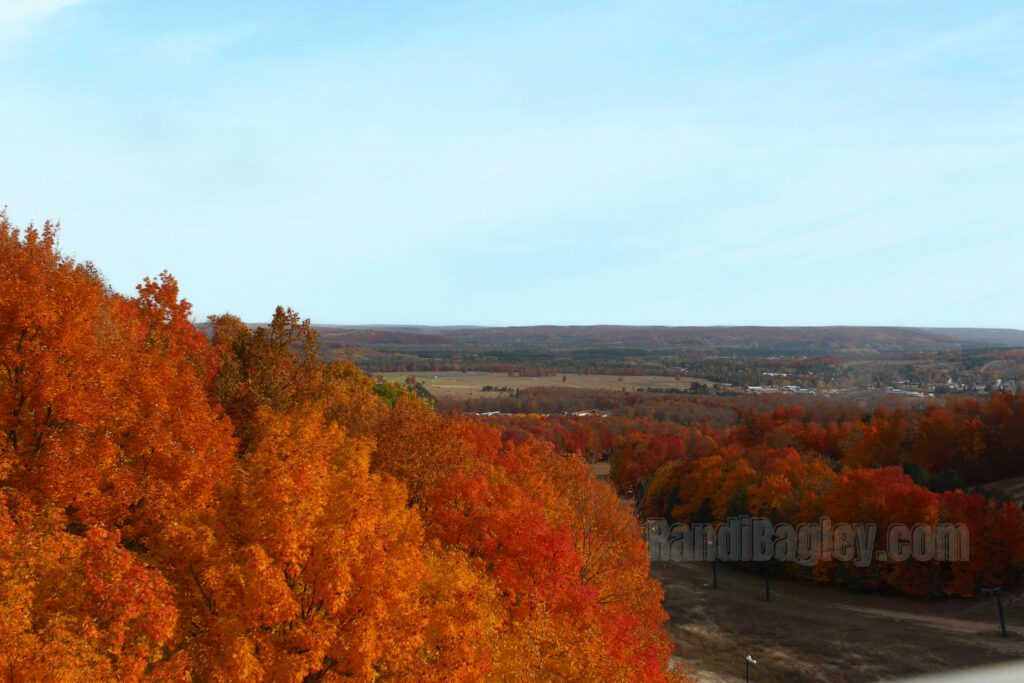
(818, 633)
(462, 385)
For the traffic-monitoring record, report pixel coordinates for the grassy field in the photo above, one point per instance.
(461, 385)
(819, 633)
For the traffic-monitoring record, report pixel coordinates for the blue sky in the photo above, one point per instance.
(515, 163)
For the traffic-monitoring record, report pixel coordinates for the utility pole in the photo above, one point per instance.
(1002, 615)
(998, 592)
(713, 551)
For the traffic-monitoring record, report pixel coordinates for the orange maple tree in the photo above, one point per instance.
(178, 507)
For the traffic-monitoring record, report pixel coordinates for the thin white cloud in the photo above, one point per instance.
(17, 16)
(197, 46)
(981, 32)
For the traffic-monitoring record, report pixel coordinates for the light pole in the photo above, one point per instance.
(750, 660)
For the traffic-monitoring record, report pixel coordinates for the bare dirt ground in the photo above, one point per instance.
(819, 633)
(462, 385)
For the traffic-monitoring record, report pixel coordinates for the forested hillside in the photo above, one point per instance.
(798, 464)
(177, 508)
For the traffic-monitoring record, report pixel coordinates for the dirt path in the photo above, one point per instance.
(818, 633)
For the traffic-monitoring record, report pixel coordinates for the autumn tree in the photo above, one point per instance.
(179, 507)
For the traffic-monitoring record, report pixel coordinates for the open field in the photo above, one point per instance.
(462, 385)
(819, 633)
